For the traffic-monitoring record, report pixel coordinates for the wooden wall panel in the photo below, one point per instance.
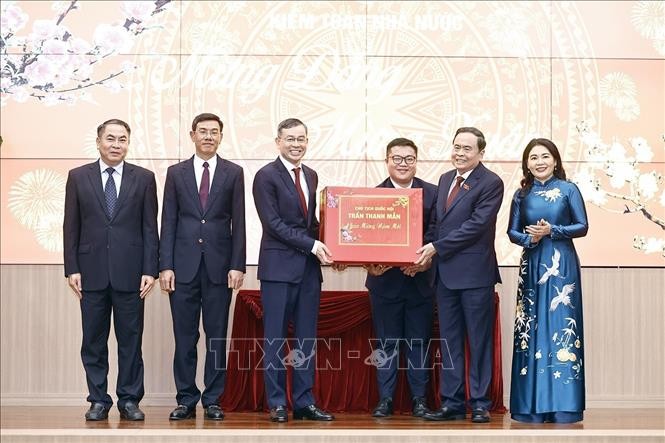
(41, 329)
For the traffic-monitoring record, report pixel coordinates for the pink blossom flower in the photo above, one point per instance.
(51, 100)
(112, 38)
(12, 19)
(647, 185)
(20, 95)
(41, 72)
(643, 152)
(84, 72)
(54, 47)
(139, 10)
(78, 45)
(114, 86)
(45, 29)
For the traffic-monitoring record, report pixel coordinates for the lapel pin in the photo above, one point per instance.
(466, 187)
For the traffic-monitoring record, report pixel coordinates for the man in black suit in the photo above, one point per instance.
(402, 298)
(110, 254)
(202, 245)
(289, 270)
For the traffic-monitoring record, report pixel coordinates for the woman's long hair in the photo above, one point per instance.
(527, 178)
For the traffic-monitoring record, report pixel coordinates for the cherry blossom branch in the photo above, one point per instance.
(79, 87)
(639, 207)
(72, 6)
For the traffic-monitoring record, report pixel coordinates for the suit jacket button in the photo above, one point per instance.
(203, 222)
(200, 240)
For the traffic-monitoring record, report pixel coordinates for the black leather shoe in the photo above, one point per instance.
(97, 412)
(214, 412)
(311, 412)
(182, 412)
(480, 415)
(419, 407)
(384, 408)
(130, 411)
(278, 414)
(444, 414)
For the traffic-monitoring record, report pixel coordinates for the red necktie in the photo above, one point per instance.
(301, 196)
(454, 191)
(204, 189)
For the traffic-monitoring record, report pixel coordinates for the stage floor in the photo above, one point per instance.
(52, 423)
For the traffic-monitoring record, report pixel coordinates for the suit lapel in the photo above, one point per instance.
(188, 177)
(311, 190)
(217, 182)
(386, 184)
(95, 177)
(444, 186)
(286, 177)
(467, 185)
(291, 186)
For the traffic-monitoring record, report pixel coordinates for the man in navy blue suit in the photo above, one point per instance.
(462, 247)
(402, 299)
(289, 270)
(110, 252)
(202, 260)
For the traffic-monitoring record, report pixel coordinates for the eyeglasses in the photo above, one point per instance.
(398, 159)
(291, 140)
(206, 133)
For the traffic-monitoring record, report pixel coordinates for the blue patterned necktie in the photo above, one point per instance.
(110, 192)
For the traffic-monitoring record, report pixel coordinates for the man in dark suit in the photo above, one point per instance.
(289, 256)
(402, 299)
(462, 235)
(202, 245)
(110, 252)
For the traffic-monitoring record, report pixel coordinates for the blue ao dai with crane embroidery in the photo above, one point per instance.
(548, 348)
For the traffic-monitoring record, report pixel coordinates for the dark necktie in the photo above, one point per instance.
(454, 191)
(204, 189)
(110, 192)
(301, 195)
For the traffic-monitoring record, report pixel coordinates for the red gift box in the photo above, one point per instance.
(372, 225)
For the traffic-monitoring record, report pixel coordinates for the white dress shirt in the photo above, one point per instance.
(117, 175)
(464, 176)
(303, 182)
(198, 170)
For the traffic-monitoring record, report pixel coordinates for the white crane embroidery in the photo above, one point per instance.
(562, 296)
(552, 271)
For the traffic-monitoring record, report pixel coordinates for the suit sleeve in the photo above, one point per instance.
(516, 232)
(169, 223)
(71, 227)
(485, 210)
(265, 192)
(150, 236)
(238, 231)
(430, 226)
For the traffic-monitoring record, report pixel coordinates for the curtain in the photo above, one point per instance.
(344, 382)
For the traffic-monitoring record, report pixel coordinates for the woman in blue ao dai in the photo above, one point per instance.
(548, 354)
